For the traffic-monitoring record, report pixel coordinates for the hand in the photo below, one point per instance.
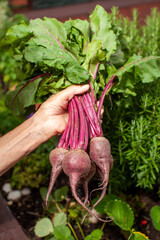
(53, 114)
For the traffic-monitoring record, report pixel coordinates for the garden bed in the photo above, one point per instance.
(29, 209)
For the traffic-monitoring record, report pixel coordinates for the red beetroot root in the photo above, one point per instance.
(56, 156)
(85, 180)
(100, 153)
(76, 164)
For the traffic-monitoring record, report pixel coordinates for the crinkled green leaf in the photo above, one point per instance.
(94, 55)
(122, 214)
(43, 227)
(15, 35)
(155, 216)
(47, 32)
(78, 38)
(60, 219)
(101, 30)
(58, 59)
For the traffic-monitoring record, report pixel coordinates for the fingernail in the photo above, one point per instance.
(85, 87)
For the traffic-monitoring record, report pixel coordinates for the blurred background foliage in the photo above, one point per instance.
(133, 129)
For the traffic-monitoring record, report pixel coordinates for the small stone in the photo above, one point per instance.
(26, 191)
(10, 203)
(7, 187)
(92, 219)
(14, 195)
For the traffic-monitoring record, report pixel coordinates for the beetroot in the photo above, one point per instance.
(76, 164)
(100, 153)
(72, 157)
(56, 156)
(85, 180)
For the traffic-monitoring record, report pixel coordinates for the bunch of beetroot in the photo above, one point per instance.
(83, 151)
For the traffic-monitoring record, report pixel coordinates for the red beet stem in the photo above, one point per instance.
(93, 97)
(86, 137)
(63, 143)
(76, 126)
(93, 113)
(85, 107)
(107, 87)
(82, 123)
(72, 126)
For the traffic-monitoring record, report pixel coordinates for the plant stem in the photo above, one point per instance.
(72, 229)
(103, 225)
(82, 123)
(76, 124)
(81, 230)
(57, 207)
(71, 138)
(85, 107)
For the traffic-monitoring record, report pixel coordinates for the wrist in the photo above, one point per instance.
(44, 127)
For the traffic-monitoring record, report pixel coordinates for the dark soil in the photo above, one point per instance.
(29, 209)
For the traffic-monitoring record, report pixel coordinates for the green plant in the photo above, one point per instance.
(155, 216)
(8, 75)
(122, 215)
(131, 116)
(69, 212)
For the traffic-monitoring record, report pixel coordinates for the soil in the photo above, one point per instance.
(29, 209)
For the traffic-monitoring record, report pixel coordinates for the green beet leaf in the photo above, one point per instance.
(48, 32)
(18, 100)
(58, 60)
(155, 216)
(15, 35)
(121, 212)
(100, 23)
(43, 227)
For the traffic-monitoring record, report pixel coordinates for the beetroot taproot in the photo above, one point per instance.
(56, 156)
(100, 153)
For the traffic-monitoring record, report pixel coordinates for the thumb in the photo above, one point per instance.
(67, 94)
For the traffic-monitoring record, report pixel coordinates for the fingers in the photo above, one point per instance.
(71, 91)
(67, 94)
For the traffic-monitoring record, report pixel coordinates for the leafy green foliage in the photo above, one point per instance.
(108, 44)
(7, 63)
(155, 216)
(64, 50)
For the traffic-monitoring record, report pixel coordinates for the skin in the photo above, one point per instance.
(50, 120)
